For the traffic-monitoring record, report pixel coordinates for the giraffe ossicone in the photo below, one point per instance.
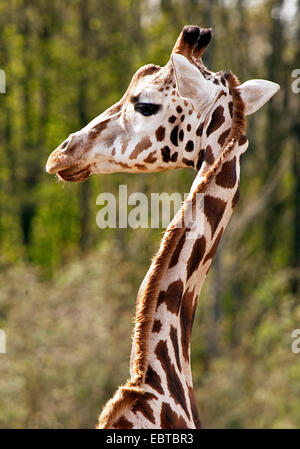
(179, 115)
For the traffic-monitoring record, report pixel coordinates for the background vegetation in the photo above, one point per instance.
(67, 288)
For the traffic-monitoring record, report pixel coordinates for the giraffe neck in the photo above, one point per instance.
(160, 392)
(169, 371)
(168, 375)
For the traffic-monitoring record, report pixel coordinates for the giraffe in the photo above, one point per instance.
(179, 115)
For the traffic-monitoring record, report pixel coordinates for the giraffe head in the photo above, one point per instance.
(158, 123)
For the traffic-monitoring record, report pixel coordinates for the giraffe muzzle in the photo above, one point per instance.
(66, 161)
(57, 162)
(66, 167)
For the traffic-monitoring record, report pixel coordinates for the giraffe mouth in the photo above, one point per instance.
(74, 175)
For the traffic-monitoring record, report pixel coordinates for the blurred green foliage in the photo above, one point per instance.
(67, 288)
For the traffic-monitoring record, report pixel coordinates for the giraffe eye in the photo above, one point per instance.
(147, 108)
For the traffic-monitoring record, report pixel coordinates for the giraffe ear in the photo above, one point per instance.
(255, 93)
(190, 81)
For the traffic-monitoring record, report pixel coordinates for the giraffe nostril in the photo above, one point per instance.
(64, 144)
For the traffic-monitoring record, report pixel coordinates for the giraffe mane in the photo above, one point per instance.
(127, 394)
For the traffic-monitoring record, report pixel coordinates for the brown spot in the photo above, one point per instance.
(123, 423)
(242, 140)
(172, 119)
(148, 69)
(142, 406)
(181, 135)
(174, 157)
(123, 164)
(185, 103)
(172, 296)
(174, 384)
(124, 145)
(182, 118)
(154, 380)
(188, 162)
(215, 81)
(161, 168)
(134, 98)
(209, 155)
(160, 133)
(179, 109)
(177, 251)
(115, 108)
(190, 112)
(170, 419)
(141, 146)
(214, 210)
(223, 81)
(165, 152)
(174, 136)
(196, 256)
(221, 95)
(230, 107)
(212, 252)
(227, 176)
(113, 152)
(140, 166)
(150, 159)
(194, 409)
(236, 196)
(241, 158)
(97, 129)
(174, 340)
(216, 121)
(189, 127)
(189, 146)
(156, 326)
(186, 322)
(200, 159)
(200, 129)
(223, 137)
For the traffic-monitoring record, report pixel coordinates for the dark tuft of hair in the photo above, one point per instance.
(226, 73)
(191, 34)
(204, 38)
